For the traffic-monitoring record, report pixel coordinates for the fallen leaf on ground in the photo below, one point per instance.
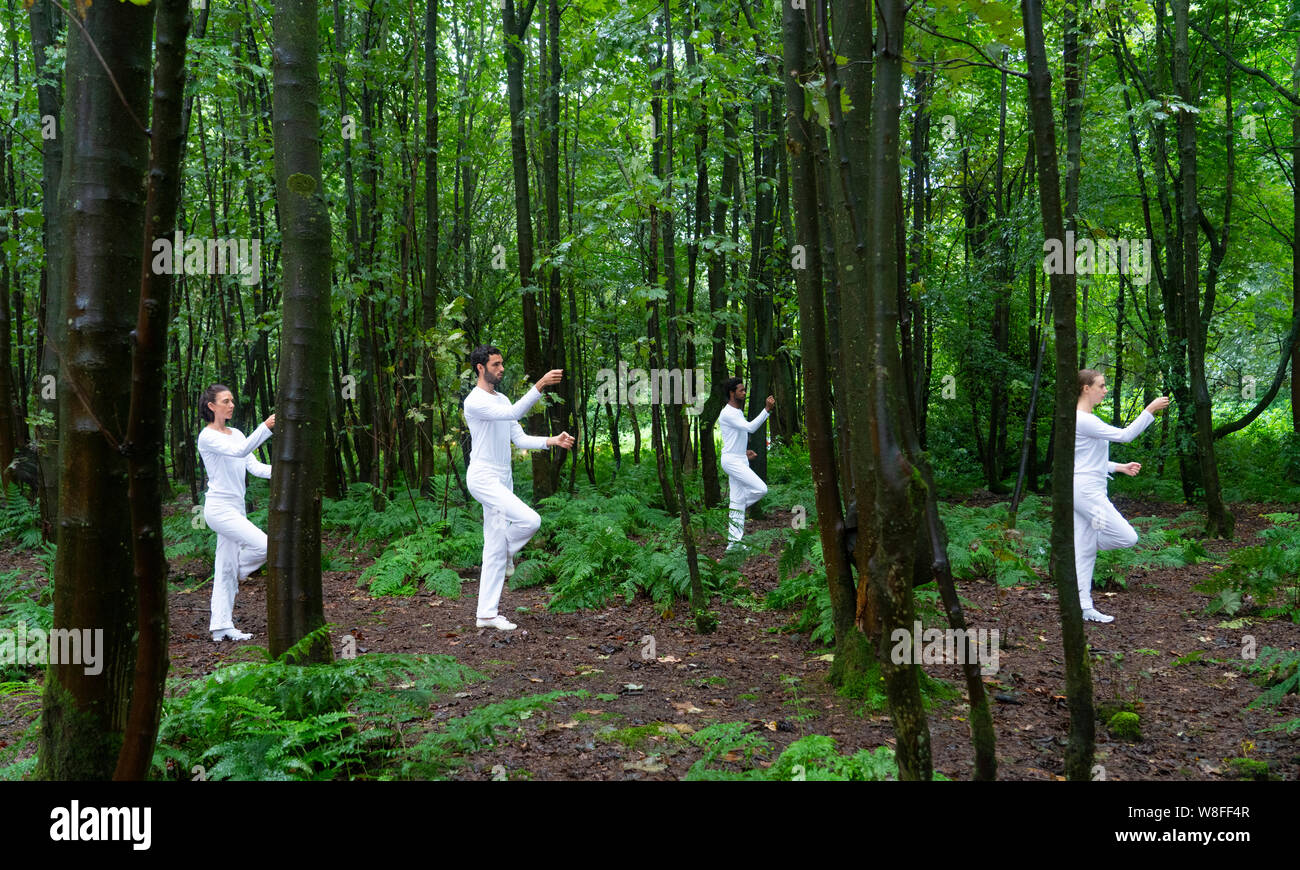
(649, 764)
(686, 707)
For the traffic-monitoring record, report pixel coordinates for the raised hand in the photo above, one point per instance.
(1158, 405)
(550, 378)
(771, 404)
(564, 439)
(269, 422)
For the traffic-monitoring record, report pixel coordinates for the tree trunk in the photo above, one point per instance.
(84, 716)
(1078, 677)
(145, 435)
(52, 322)
(429, 298)
(1219, 521)
(294, 599)
(515, 26)
(853, 655)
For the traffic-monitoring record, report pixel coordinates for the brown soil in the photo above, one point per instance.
(1193, 714)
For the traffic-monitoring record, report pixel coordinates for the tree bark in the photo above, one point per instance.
(1078, 677)
(102, 201)
(145, 434)
(294, 598)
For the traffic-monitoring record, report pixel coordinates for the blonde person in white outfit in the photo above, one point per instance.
(241, 546)
(746, 486)
(1097, 525)
(508, 523)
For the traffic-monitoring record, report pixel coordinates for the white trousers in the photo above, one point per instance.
(241, 550)
(746, 489)
(508, 524)
(1097, 526)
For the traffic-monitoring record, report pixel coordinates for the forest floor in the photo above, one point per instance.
(1162, 655)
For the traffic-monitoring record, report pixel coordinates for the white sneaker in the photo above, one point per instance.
(498, 622)
(230, 634)
(510, 566)
(1093, 615)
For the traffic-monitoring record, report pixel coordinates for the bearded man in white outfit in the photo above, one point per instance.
(508, 523)
(1097, 525)
(746, 486)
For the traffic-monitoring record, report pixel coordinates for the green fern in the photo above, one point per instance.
(20, 519)
(1278, 671)
(279, 720)
(1269, 573)
(483, 727)
(428, 556)
(811, 758)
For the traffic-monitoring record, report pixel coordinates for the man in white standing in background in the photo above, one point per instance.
(508, 523)
(746, 486)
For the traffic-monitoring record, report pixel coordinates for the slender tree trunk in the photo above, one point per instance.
(515, 25)
(1219, 519)
(853, 655)
(1078, 677)
(145, 433)
(429, 299)
(52, 322)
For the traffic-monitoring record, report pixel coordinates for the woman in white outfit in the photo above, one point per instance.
(1097, 525)
(241, 546)
(746, 486)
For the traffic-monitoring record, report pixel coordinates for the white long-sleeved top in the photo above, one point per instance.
(1092, 440)
(735, 428)
(494, 423)
(228, 457)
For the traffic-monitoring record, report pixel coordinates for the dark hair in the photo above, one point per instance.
(1087, 377)
(481, 355)
(210, 395)
(729, 386)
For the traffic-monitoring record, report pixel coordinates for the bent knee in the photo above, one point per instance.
(1129, 537)
(532, 522)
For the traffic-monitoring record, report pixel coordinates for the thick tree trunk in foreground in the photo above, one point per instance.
(102, 198)
(293, 601)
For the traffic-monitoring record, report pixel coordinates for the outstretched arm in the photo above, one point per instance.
(478, 406)
(1091, 426)
(225, 445)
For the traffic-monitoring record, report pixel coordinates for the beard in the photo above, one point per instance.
(494, 381)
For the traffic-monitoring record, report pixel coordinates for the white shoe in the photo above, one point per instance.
(510, 566)
(1093, 615)
(230, 634)
(498, 622)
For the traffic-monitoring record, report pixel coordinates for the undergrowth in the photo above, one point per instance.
(1267, 575)
(20, 520)
(814, 757)
(281, 720)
